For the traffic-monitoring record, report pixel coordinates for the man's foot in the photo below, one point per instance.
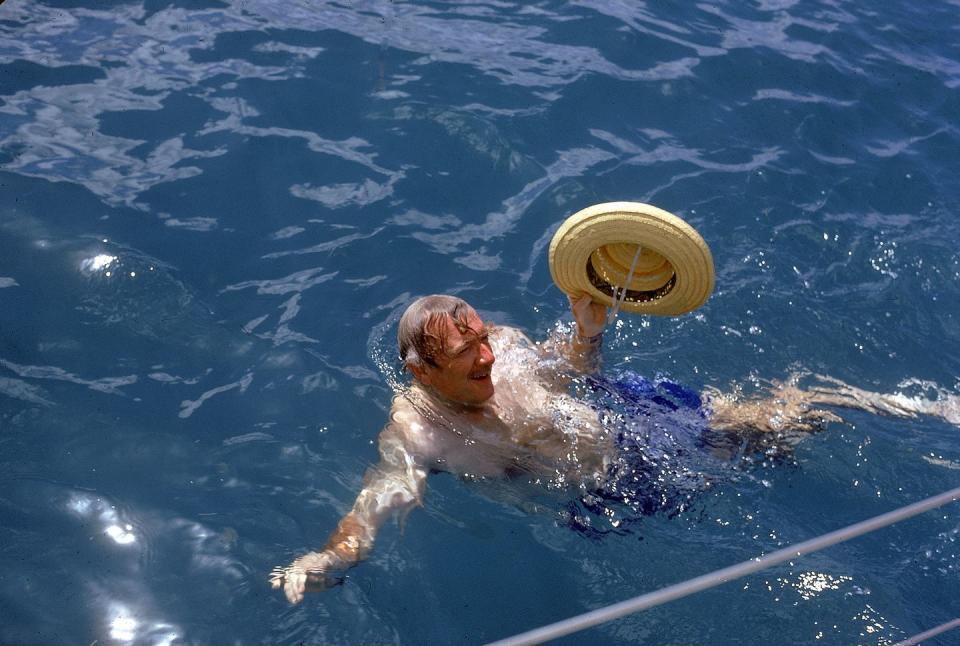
(838, 393)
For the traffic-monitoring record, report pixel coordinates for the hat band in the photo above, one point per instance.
(632, 295)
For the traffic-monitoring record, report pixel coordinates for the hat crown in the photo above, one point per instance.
(651, 271)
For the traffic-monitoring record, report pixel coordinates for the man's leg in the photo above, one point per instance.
(834, 392)
(787, 408)
(791, 408)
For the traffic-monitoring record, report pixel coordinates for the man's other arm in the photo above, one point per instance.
(583, 347)
(392, 487)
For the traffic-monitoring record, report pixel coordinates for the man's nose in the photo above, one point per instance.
(486, 355)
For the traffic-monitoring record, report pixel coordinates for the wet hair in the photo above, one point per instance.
(420, 333)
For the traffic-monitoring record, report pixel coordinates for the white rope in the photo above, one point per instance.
(933, 632)
(712, 579)
(623, 290)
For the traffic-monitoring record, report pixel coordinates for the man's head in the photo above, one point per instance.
(444, 343)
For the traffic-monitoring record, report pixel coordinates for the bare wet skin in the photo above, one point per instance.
(531, 424)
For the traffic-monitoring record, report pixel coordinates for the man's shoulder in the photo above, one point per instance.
(508, 336)
(411, 425)
(403, 412)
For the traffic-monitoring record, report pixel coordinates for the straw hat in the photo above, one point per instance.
(593, 251)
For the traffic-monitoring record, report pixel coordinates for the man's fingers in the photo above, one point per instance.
(276, 577)
(293, 596)
(293, 586)
(581, 305)
(292, 580)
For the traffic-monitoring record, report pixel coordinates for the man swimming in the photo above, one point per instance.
(487, 402)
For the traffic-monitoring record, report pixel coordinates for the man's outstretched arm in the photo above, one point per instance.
(392, 487)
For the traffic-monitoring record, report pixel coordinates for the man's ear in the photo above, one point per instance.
(421, 373)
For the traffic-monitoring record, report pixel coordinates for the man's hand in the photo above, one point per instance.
(312, 572)
(590, 317)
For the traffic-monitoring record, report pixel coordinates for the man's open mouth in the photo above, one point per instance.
(479, 376)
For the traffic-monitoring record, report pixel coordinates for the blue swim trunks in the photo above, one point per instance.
(646, 395)
(664, 460)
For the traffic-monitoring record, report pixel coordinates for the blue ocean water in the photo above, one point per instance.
(212, 214)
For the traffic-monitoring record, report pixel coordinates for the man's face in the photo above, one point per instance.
(462, 373)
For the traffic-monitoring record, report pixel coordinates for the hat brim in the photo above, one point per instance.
(582, 246)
